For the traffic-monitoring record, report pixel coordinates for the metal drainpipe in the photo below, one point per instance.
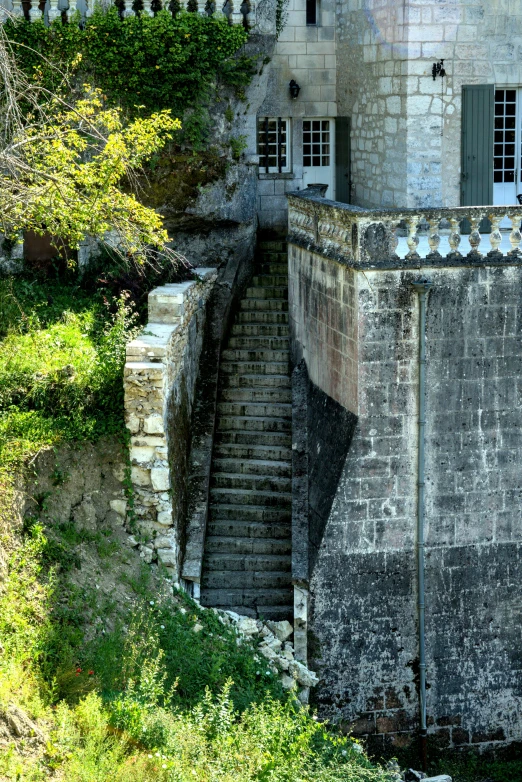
(422, 287)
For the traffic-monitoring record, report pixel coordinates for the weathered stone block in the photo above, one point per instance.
(154, 424)
(160, 478)
(140, 476)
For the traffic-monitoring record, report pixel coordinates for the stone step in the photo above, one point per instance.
(281, 292)
(272, 256)
(237, 563)
(258, 342)
(237, 354)
(230, 579)
(254, 367)
(251, 482)
(249, 530)
(250, 423)
(253, 452)
(255, 381)
(245, 546)
(260, 330)
(250, 438)
(272, 268)
(267, 280)
(230, 512)
(255, 409)
(263, 600)
(272, 245)
(258, 316)
(264, 467)
(263, 305)
(274, 395)
(269, 499)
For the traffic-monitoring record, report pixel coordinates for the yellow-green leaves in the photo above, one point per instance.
(68, 170)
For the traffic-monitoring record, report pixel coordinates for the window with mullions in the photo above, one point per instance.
(316, 142)
(272, 144)
(505, 163)
(311, 12)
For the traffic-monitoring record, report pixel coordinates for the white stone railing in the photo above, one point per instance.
(159, 382)
(241, 12)
(370, 237)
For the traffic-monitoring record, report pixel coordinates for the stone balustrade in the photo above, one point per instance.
(159, 382)
(241, 12)
(368, 238)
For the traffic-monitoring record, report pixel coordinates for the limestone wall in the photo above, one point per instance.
(159, 381)
(385, 54)
(363, 628)
(308, 55)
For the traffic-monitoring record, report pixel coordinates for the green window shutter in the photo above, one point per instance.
(478, 102)
(342, 159)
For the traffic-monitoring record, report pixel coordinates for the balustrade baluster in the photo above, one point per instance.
(475, 237)
(236, 16)
(128, 10)
(147, 8)
(54, 12)
(515, 236)
(34, 11)
(412, 240)
(454, 237)
(495, 237)
(250, 17)
(434, 237)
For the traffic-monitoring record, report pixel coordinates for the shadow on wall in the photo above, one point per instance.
(322, 434)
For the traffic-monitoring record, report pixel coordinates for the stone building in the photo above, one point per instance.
(383, 130)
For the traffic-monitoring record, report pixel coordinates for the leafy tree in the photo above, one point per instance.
(62, 165)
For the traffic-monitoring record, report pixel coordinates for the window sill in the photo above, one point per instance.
(276, 175)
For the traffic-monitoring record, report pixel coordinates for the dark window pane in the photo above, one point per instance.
(316, 149)
(498, 163)
(307, 161)
(326, 161)
(499, 122)
(497, 176)
(510, 149)
(511, 95)
(499, 150)
(316, 124)
(511, 109)
(500, 95)
(499, 109)
(499, 136)
(509, 163)
(509, 176)
(510, 122)
(510, 135)
(311, 11)
(316, 161)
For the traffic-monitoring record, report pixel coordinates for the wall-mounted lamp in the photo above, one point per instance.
(294, 89)
(438, 70)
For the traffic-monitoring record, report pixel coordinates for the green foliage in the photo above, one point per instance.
(281, 16)
(61, 364)
(141, 62)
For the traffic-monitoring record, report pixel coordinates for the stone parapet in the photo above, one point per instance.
(368, 238)
(159, 380)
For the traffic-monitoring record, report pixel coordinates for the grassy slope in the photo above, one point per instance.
(92, 690)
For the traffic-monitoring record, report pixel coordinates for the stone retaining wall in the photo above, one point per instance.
(159, 382)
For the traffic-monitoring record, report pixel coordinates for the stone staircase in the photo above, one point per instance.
(247, 560)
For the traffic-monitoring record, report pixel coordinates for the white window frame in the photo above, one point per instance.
(279, 133)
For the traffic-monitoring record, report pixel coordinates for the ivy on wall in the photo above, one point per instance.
(141, 63)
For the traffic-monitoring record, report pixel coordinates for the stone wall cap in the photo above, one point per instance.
(141, 365)
(205, 272)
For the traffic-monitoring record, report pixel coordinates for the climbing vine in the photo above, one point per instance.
(141, 63)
